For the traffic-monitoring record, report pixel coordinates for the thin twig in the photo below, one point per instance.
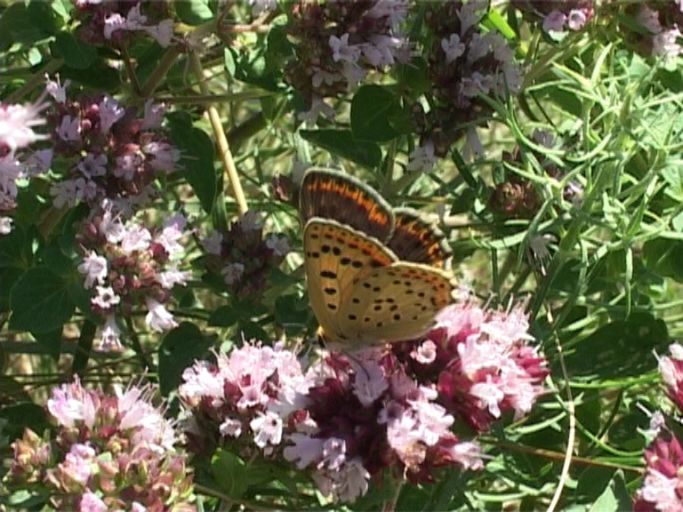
(559, 456)
(564, 475)
(221, 139)
(131, 71)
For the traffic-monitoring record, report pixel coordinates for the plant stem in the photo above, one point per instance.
(221, 140)
(85, 340)
(137, 346)
(36, 80)
(160, 71)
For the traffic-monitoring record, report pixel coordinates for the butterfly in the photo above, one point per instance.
(374, 274)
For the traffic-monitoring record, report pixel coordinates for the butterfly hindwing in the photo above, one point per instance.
(335, 195)
(337, 257)
(394, 303)
(417, 240)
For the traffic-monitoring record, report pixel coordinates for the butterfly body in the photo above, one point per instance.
(374, 274)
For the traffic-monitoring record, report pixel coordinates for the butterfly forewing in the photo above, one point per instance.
(417, 240)
(336, 258)
(335, 195)
(394, 303)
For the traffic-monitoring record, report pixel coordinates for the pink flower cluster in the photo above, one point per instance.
(481, 363)
(464, 62)
(17, 123)
(661, 24)
(243, 255)
(348, 418)
(116, 23)
(671, 369)
(338, 43)
(559, 15)
(111, 452)
(246, 395)
(662, 489)
(110, 152)
(363, 416)
(128, 265)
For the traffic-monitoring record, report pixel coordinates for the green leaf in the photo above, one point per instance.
(229, 61)
(413, 77)
(24, 415)
(622, 348)
(27, 24)
(178, 350)
(230, 473)
(371, 108)
(76, 53)
(665, 257)
(51, 341)
(197, 158)
(97, 76)
(342, 143)
(40, 301)
(193, 12)
(496, 20)
(615, 497)
(15, 249)
(224, 316)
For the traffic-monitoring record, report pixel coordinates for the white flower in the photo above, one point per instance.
(489, 394)
(57, 90)
(112, 24)
(422, 158)
(93, 165)
(10, 171)
(649, 19)
(453, 47)
(278, 244)
(16, 125)
(169, 278)
(135, 238)
(576, 19)
(106, 298)
(665, 44)
(5, 225)
(472, 148)
(95, 269)
(470, 14)
(110, 112)
(231, 427)
(261, 6)
(425, 353)
(109, 339)
(154, 115)
(369, 383)
(158, 318)
(318, 106)
(251, 221)
(212, 243)
(554, 21)
(69, 129)
(232, 273)
(171, 233)
(64, 194)
(164, 156)
(268, 429)
(39, 162)
(342, 51)
(161, 33)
